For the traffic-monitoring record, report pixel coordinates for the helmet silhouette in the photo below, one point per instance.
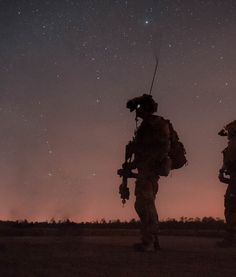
(229, 130)
(144, 102)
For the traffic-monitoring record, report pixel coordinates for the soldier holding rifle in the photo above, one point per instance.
(227, 174)
(148, 153)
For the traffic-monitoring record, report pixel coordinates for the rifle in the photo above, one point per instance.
(126, 172)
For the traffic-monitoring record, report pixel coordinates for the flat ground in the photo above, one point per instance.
(113, 256)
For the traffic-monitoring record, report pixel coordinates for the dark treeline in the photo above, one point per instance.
(206, 226)
(169, 223)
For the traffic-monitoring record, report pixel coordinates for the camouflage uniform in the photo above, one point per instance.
(151, 148)
(228, 175)
(148, 153)
(230, 195)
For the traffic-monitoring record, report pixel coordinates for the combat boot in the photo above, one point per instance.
(144, 247)
(157, 244)
(228, 241)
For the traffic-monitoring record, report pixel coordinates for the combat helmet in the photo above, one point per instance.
(145, 102)
(229, 130)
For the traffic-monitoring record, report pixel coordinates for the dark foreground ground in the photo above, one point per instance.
(113, 256)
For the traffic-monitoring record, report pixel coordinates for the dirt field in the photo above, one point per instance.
(113, 256)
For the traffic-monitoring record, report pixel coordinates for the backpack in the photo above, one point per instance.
(177, 151)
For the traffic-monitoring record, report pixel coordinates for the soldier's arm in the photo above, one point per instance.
(229, 155)
(222, 175)
(163, 138)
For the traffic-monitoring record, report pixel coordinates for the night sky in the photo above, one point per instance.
(67, 69)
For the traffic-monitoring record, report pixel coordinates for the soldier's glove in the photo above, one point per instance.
(222, 177)
(124, 172)
(127, 173)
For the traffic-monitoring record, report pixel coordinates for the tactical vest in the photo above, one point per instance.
(156, 137)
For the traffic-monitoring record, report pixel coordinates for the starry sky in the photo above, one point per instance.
(67, 69)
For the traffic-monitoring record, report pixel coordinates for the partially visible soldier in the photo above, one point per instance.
(227, 174)
(150, 148)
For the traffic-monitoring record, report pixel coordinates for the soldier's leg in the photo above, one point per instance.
(146, 189)
(230, 218)
(141, 209)
(230, 215)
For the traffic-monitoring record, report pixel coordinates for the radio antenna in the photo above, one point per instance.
(154, 76)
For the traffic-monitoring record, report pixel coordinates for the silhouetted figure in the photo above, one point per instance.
(227, 174)
(149, 153)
